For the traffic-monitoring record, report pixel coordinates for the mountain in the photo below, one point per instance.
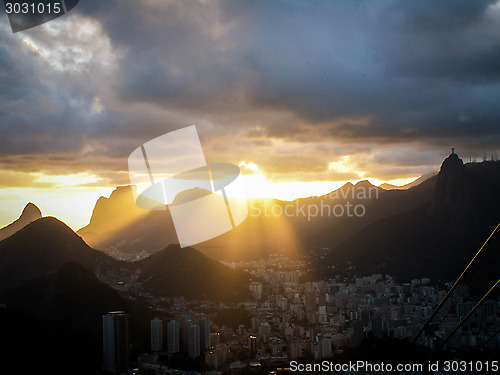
(444, 215)
(65, 308)
(176, 271)
(123, 230)
(41, 248)
(310, 224)
(271, 225)
(293, 227)
(30, 213)
(44, 246)
(266, 228)
(436, 238)
(411, 184)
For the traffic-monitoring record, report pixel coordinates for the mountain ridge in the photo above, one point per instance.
(44, 246)
(145, 235)
(435, 239)
(409, 185)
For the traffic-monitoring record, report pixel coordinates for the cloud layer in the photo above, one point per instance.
(291, 86)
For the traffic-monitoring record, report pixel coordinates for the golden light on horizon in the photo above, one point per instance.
(396, 181)
(72, 205)
(54, 193)
(257, 185)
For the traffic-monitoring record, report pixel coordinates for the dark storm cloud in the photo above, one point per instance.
(413, 68)
(386, 72)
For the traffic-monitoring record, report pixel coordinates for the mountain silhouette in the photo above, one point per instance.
(449, 185)
(411, 184)
(44, 246)
(408, 233)
(461, 195)
(41, 248)
(121, 229)
(261, 233)
(114, 212)
(30, 213)
(253, 238)
(176, 271)
(436, 238)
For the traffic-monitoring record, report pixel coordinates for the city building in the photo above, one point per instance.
(185, 332)
(377, 332)
(252, 344)
(357, 333)
(255, 323)
(194, 340)
(156, 335)
(315, 320)
(173, 337)
(204, 332)
(326, 347)
(116, 342)
(211, 359)
(214, 339)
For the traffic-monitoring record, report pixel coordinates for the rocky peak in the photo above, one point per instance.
(30, 213)
(451, 167)
(450, 185)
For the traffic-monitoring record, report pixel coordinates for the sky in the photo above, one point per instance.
(304, 96)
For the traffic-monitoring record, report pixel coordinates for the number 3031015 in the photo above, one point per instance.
(32, 8)
(479, 366)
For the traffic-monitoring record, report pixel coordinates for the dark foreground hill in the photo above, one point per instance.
(55, 301)
(41, 248)
(176, 271)
(55, 321)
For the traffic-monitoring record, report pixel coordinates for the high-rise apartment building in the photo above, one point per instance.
(194, 340)
(204, 332)
(116, 342)
(185, 333)
(173, 337)
(156, 335)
